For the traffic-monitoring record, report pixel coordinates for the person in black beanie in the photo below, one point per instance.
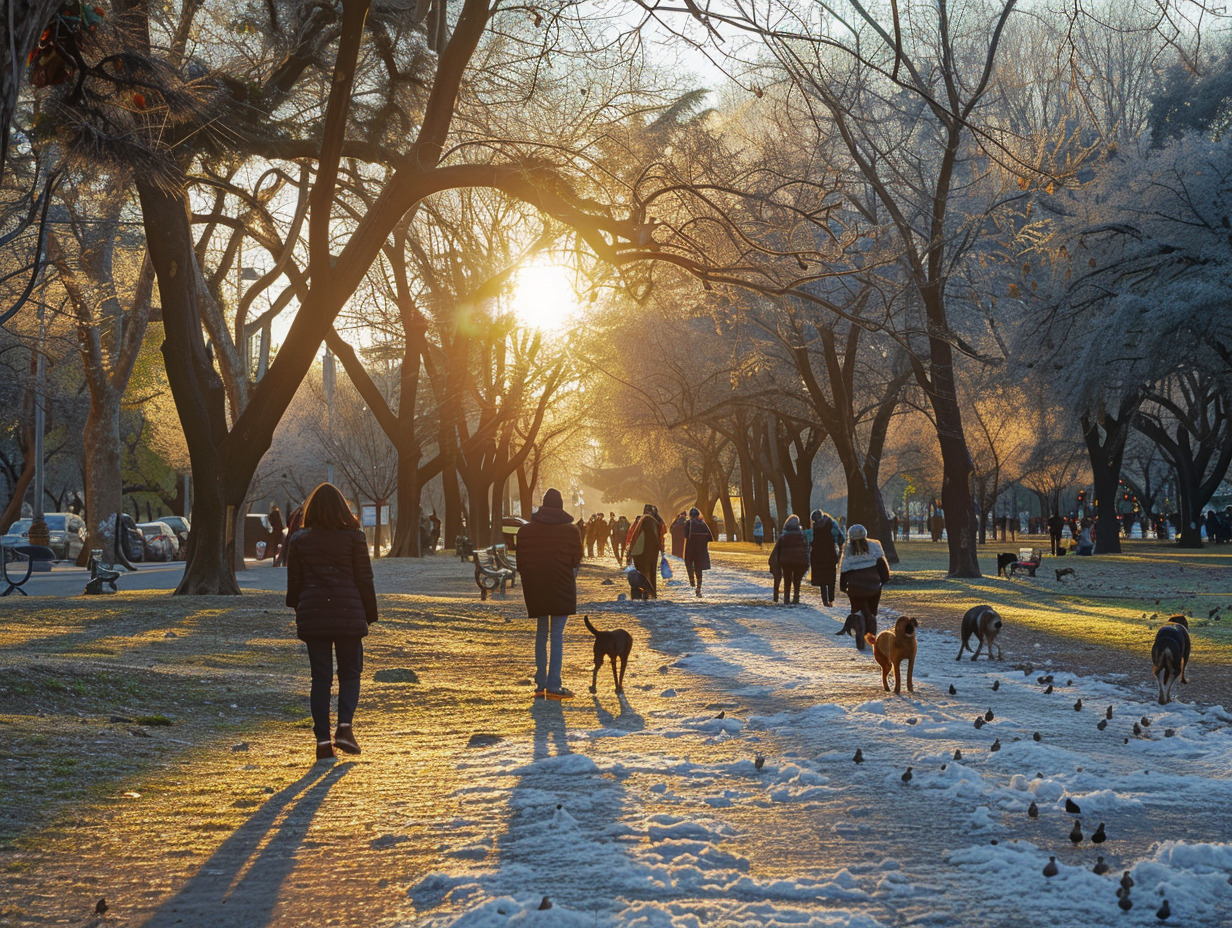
(549, 555)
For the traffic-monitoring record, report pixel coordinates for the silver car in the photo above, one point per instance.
(66, 530)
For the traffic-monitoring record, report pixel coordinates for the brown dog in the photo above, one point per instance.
(1170, 656)
(891, 648)
(615, 644)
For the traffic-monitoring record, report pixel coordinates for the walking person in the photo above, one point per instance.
(277, 533)
(678, 530)
(697, 549)
(759, 531)
(1055, 525)
(329, 585)
(645, 545)
(792, 549)
(862, 572)
(549, 555)
(620, 532)
(823, 554)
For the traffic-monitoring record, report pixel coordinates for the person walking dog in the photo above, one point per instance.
(549, 555)
(329, 585)
(862, 572)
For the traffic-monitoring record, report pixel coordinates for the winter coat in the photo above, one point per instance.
(697, 544)
(679, 529)
(823, 553)
(792, 548)
(549, 551)
(863, 569)
(654, 532)
(329, 583)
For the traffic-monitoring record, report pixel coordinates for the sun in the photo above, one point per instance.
(544, 298)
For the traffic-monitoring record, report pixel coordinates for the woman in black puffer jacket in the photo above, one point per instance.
(329, 585)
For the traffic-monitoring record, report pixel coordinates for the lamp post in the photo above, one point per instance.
(38, 533)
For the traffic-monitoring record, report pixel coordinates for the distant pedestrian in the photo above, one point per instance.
(549, 555)
(620, 532)
(759, 531)
(434, 534)
(1055, 526)
(678, 529)
(697, 549)
(823, 554)
(792, 549)
(645, 545)
(330, 587)
(294, 524)
(862, 572)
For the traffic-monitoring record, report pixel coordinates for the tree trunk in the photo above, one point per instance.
(104, 486)
(12, 512)
(1106, 453)
(410, 490)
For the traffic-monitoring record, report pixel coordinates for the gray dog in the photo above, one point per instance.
(985, 624)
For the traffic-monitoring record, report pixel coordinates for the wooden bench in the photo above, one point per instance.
(503, 558)
(1028, 559)
(489, 574)
(31, 554)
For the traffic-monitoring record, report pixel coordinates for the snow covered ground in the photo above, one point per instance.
(733, 799)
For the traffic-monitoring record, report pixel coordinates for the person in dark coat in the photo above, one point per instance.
(645, 545)
(1055, 526)
(277, 531)
(329, 585)
(678, 529)
(792, 549)
(581, 530)
(823, 554)
(620, 532)
(697, 540)
(549, 555)
(862, 572)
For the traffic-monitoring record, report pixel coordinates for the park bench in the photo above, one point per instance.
(1028, 559)
(32, 555)
(503, 558)
(489, 574)
(100, 575)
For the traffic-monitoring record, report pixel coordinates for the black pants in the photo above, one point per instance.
(867, 606)
(648, 564)
(321, 651)
(826, 573)
(1056, 544)
(792, 575)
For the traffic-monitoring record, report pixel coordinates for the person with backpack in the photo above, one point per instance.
(828, 541)
(862, 572)
(792, 553)
(645, 545)
(697, 538)
(330, 587)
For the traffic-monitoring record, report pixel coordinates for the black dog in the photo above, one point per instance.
(614, 644)
(1004, 561)
(985, 624)
(639, 586)
(859, 625)
(1066, 572)
(1170, 655)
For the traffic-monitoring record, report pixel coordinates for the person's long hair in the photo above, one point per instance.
(858, 545)
(327, 508)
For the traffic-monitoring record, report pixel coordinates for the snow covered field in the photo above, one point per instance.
(733, 799)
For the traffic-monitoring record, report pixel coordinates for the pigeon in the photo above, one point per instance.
(1164, 911)
(1035, 736)
(1033, 810)
(1100, 867)
(1098, 836)
(722, 715)
(101, 907)
(545, 904)
(1048, 692)
(1127, 881)
(1050, 868)
(1125, 903)
(1069, 682)
(979, 722)
(996, 745)
(859, 758)
(1075, 834)
(1072, 807)
(953, 692)
(988, 716)
(906, 777)
(1078, 706)
(1137, 729)
(1103, 723)
(759, 762)
(957, 754)
(1146, 723)
(1108, 713)
(996, 685)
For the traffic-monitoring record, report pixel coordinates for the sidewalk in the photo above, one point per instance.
(471, 803)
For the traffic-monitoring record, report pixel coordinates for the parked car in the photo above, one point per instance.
(179, 525)
(160, 542)
(257, 528)
(67, 533)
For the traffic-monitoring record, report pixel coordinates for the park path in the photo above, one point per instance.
(471, 803)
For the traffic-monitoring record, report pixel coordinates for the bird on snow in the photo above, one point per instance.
(1103, 723)
(1137, 729)
(101, 907)
(545, 904)
(722, 715)
(1072, 807)
(1033, 810)
(1050, 868)
(1164, 911)
(988, 716)
(979, 722)
(1108, 713)
(1146, 723)
(953, 691)
(996, 685)
(1098, 836)
(859, 758)
(1048, 692)
(1035, 736)
(1100, 867)
(1127, 881)
(996, 745)
(759, 762)
(1078, 706)
(906, 777)
(1075, 834)
(957, 754)
(1125, 903)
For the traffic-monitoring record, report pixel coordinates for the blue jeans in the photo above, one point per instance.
(547, 670)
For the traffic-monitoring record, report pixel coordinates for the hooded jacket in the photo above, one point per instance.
(549, 551)
(329, 583)
(697, 540)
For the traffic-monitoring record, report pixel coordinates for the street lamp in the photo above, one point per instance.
(38, 533)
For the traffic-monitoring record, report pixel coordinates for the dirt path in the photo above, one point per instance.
(221, 818)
